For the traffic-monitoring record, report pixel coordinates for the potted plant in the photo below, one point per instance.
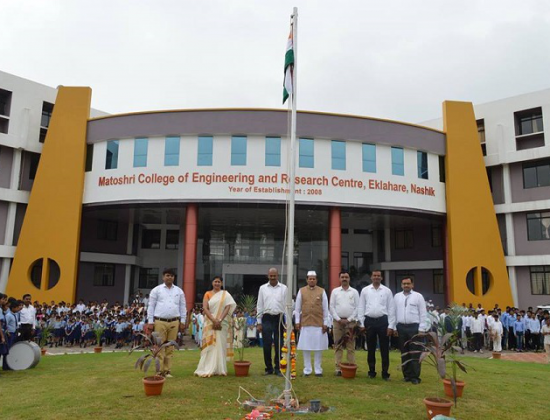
(434, 350)
(349, 370)
(45, 335)
(152, 344)
(98, 331)
(247, 305)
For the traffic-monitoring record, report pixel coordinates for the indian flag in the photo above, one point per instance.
(289, 67)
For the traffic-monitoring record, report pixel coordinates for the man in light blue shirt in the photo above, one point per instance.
(519, 330)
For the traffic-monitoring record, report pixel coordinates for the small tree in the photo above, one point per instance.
(247, 304)
(152, 344)
(45, 335)
(98, 331)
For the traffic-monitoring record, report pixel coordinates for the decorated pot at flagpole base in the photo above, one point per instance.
(349, 370)
(241, 368)
(435, 406)
(153, 385)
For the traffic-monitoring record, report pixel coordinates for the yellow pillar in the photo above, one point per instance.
(51, 228)
(472, 230)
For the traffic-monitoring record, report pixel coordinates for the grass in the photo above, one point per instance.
(107, 386)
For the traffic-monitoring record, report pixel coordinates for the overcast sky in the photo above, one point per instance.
(389, 59)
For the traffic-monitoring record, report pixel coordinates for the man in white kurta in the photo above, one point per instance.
(312, 319)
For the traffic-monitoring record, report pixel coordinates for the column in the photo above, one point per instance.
(334, 247)
(190, 254)
(128, 269)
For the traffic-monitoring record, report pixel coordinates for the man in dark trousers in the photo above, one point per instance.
(270, 309)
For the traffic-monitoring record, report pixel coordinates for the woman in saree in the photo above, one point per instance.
(218, 306)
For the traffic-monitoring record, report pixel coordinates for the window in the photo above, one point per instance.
(538, 225)
(404, 238)
(238, 151)
(206, 147)
(540, 279)
(481, 135)
(148, 278)
(172, 239)
(529, 122)
(338, 154)
(107, 230)
(272, 151)
(439, 282)
(345, 260)
(422, 164)
(306, 153)
(111, 161)
(34, 160)
(140, 152)
(171, 151)
(397, 161)
(47, 111)
(536, 174)
(89, 157)
(369, 158)
(104, 275)
(150, 239)
(437, 238)
(441, 168)
(5, 107)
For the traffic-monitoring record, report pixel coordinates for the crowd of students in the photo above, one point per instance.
(73, 325)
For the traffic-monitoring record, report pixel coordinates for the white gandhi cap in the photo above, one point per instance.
(311, 273)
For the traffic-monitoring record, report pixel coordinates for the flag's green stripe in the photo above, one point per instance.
(289, 58)
(285, 95)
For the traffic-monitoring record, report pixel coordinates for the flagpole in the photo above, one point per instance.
(291, 205)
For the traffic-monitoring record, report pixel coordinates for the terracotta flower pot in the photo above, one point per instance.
(496, 355)
(241, 368)
(348, 370)
(435, 406)
(98, 349)
(449, 388)
(43, 352)
(153, 385)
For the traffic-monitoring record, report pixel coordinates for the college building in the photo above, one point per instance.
(96, 206)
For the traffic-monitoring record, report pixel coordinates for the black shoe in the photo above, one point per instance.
(306, 375)
(406, 379)
(386, 378)
(415, 381)
(278, 373)
(268, 373)
(319, 375)
(372, 375)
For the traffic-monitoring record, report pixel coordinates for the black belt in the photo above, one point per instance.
(166, 319)
(380, 317)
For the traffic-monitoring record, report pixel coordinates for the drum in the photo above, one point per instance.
(23, 355)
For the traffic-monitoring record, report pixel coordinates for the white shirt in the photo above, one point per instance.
(546, 329)
(271, 300)
(410, 309)
(483, 319)
(166, 303)
(375, 303)
(477, 325)
(27, 315)
(533, 325)
(298, 310)
(344, 303)
(496, 327)
(80, 308)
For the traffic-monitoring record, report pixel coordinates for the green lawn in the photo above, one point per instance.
(107, 386)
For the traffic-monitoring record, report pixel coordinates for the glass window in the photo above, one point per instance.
(140, 152)
(205, 151)
(422, 163)
(404, 239)
(272, 151)
(5, 102)
(441, 168)
(172, 151)
(529, 122)
(439, 282)
(538, 225)
(34, 160)
(111, 161)
(306, 153)
(540, 279)
(345, 260)
(47, 111)
(150, 239)
(397, 161)
(338, 154)
(148, 278)
(238, 151)
(536, 174)
(369, 158)
(437, 237)
(104, 275)
(89, 157)
(107, 230)
(172, 239)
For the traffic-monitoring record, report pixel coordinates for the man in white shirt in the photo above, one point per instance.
(344, 302)
(270, 310)
(27, 319)
(312, 319)
(166, 314)
(545, 330)
(377, 316)
(410, 315)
